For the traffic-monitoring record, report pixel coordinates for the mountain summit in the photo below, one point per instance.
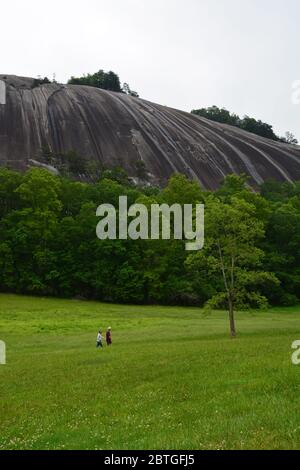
(112, 129)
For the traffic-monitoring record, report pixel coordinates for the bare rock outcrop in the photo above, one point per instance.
(113, 129)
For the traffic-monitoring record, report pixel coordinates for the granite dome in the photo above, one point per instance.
(114, 129)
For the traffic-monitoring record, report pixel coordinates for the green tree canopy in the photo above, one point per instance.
(249, 124)
(232, 235)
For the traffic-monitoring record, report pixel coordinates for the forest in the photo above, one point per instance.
(48, 243)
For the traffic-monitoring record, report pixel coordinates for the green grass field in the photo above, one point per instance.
(173, 378)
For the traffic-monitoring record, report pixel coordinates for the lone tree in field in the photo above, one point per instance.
(231, 254)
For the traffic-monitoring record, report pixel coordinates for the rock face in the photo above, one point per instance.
(114, 129)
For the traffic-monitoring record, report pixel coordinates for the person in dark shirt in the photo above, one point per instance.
(108, 337)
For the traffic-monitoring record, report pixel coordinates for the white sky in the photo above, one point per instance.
(241, 54)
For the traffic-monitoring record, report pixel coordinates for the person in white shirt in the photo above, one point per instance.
(99, 340)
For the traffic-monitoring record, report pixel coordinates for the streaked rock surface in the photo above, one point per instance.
(114, 129)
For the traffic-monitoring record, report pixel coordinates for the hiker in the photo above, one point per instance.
(108, 337)
(99, 340)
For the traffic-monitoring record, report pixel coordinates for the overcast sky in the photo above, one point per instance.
(241, 54)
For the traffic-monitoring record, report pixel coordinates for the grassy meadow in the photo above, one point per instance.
(173, 378)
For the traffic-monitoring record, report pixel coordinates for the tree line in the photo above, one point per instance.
(48, 244)
(249, 124)
(104, 80)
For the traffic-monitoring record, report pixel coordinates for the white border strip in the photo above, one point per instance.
(2, 92)
(2, 353)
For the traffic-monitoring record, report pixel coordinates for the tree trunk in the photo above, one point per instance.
(231, 317)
